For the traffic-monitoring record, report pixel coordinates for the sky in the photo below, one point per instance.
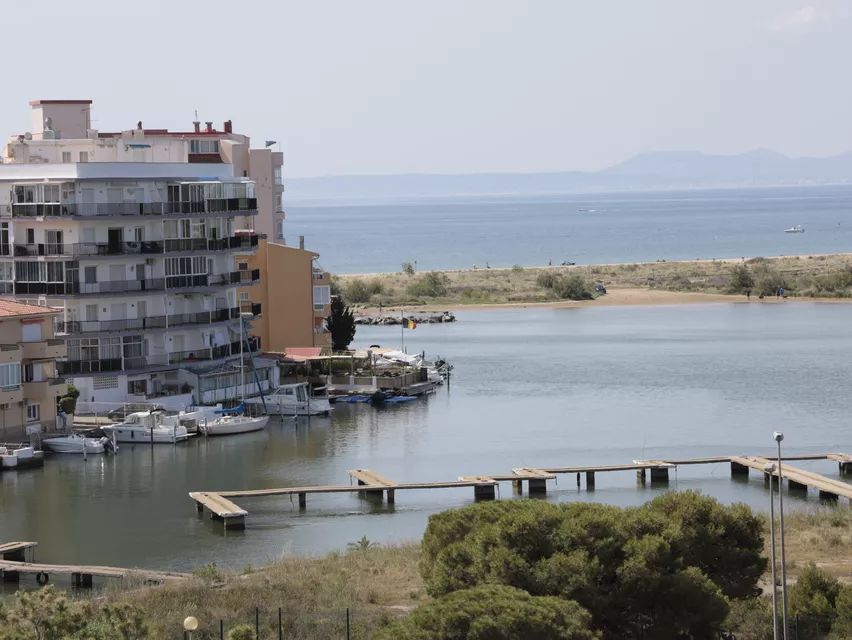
(448, 86)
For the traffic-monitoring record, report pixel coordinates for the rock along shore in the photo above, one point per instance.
(431, 318)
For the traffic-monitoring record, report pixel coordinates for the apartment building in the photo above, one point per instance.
(132, 235)
(29, 386)
(295, 293)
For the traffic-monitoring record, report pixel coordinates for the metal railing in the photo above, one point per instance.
(130, 363)
(136, 286)
(91, 210)
(131, 247)
(157, 322)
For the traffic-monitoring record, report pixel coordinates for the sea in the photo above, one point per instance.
(535, 387)
(502, 231)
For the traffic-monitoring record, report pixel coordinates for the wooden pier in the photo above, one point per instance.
(371, 483)
(13, 563)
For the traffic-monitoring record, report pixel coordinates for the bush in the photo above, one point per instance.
(356, 290)
(751, 619)
(408, 268)
(429, 285)
(517, 268)
(68, 405)
(546, 280)
(768, 280)
(814, 597)
(494, 612)
(573, 287)
(660, 570)
(242, 632)
(741, 280)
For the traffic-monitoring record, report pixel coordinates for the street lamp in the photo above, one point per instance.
(190, 624)
(778, 438)
(769, 468)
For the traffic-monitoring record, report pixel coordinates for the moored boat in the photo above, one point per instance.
(293, 400)
(236, 423)
(147, 427)
(75, 443)
(21, 458)
(797, 229)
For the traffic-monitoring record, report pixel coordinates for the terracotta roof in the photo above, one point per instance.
(12, 309)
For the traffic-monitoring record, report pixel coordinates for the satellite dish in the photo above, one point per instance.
(28, 136)
(48, 121)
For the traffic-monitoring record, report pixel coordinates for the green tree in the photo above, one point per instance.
(814, 596)
(640, 572)
(493, 612)
(356, 290)
(741, 280)
(842, 627)
(341, 324)
(408, 268)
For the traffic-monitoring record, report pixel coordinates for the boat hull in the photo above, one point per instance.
(144, 436)
(317, 408)
(74, 445)
(234, 426)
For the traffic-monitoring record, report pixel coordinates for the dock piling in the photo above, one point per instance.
(303, 500)
(537, 485)
(590, 479)
(484, 492)
(640, 476)
(391, 496)
(738, 469)
(518, 487)
(659, 474)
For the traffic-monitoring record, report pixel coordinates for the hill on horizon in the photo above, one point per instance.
(646, 171)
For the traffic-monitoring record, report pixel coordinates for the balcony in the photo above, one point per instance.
(44, 350)
(45, 389)
(111, 287)
(9, 353)
(153, 247)
(13, 393)
(156, 361)
(234, 206)
(157, 322)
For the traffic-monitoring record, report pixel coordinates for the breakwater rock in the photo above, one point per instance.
(431, 318)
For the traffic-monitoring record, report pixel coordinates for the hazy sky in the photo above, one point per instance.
(448, 86)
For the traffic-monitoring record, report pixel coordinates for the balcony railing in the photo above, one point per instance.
(157, 322)
(137, 286)
(133, 363)
(241, 242)
(93, 210)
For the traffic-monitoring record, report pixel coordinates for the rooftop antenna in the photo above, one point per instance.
(196, 114)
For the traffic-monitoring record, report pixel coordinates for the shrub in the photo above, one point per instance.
(741, 280)
(408, 268)
(660, 570)
(814, 597)
(546, 280)
(429, 285)
(517, 268)
(356, 290)
(68, 405)
(768, 280)
(573, 287)
(491, 612)
(242, 632)
(750, 619)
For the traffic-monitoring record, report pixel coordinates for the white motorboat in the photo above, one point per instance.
(146, 427)
(797, 229)
(75, 443)
(293, 400)
(232, 425)
(20, 458)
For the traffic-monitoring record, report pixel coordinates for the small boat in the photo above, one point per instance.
(148, 426)
(21, 458)
(294, 400)
(797, 229)
(229, 423)
(75, 443)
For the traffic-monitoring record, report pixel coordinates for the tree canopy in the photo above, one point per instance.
(341, 324)
(660, 570)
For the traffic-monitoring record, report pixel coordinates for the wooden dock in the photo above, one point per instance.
(13, 563)
(372, 483)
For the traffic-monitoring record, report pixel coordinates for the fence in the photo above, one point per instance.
(267, 623)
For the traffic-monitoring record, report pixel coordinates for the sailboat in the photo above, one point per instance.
(234, 421)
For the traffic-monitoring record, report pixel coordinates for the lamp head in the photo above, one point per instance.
(778, 436)
(769, 467)
(190, 624)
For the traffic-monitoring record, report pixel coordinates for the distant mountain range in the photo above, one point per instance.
(647, 171)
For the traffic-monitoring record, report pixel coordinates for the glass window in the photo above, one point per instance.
(33, 412)
(110, 348)
(322, 295)
(276, 174)
(10, 375)
(204, 146)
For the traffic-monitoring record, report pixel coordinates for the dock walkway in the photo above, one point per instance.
(372, 483)
(81, 575)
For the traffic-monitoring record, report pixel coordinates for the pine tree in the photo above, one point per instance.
(341, 324)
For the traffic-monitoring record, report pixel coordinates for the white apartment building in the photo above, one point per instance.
(133, 235)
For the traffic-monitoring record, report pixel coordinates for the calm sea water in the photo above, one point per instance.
(532, 387)
(455, 233)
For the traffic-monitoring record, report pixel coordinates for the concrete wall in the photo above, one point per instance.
(71, 120)
(261, 172)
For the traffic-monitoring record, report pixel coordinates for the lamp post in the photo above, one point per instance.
(778, 438)
(769, 468)
(190, 624)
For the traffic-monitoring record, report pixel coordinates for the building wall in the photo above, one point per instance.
(286, 295)
(261, 172)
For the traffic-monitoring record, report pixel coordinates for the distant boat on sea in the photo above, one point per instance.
(797, 229)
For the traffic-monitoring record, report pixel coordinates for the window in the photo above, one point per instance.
(66, 157)
(242, 266)
(137, 387)
(279, 230)
(30, 236)
(31, 332)
(322, 295)
(244, 296)
(133, 347)
(276, 174)
(90, 274)
(110, 348)
(10, 376)
(33, 412)
(186, 266)
(279, 202)
(204, 146)
(29, 372)
(84, 156)
(84, 349)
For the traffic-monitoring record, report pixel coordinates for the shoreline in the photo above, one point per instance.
(615, 297)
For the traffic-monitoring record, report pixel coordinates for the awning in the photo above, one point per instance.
(302, 354)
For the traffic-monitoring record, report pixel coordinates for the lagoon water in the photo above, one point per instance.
(455, 233)
(531, 387)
